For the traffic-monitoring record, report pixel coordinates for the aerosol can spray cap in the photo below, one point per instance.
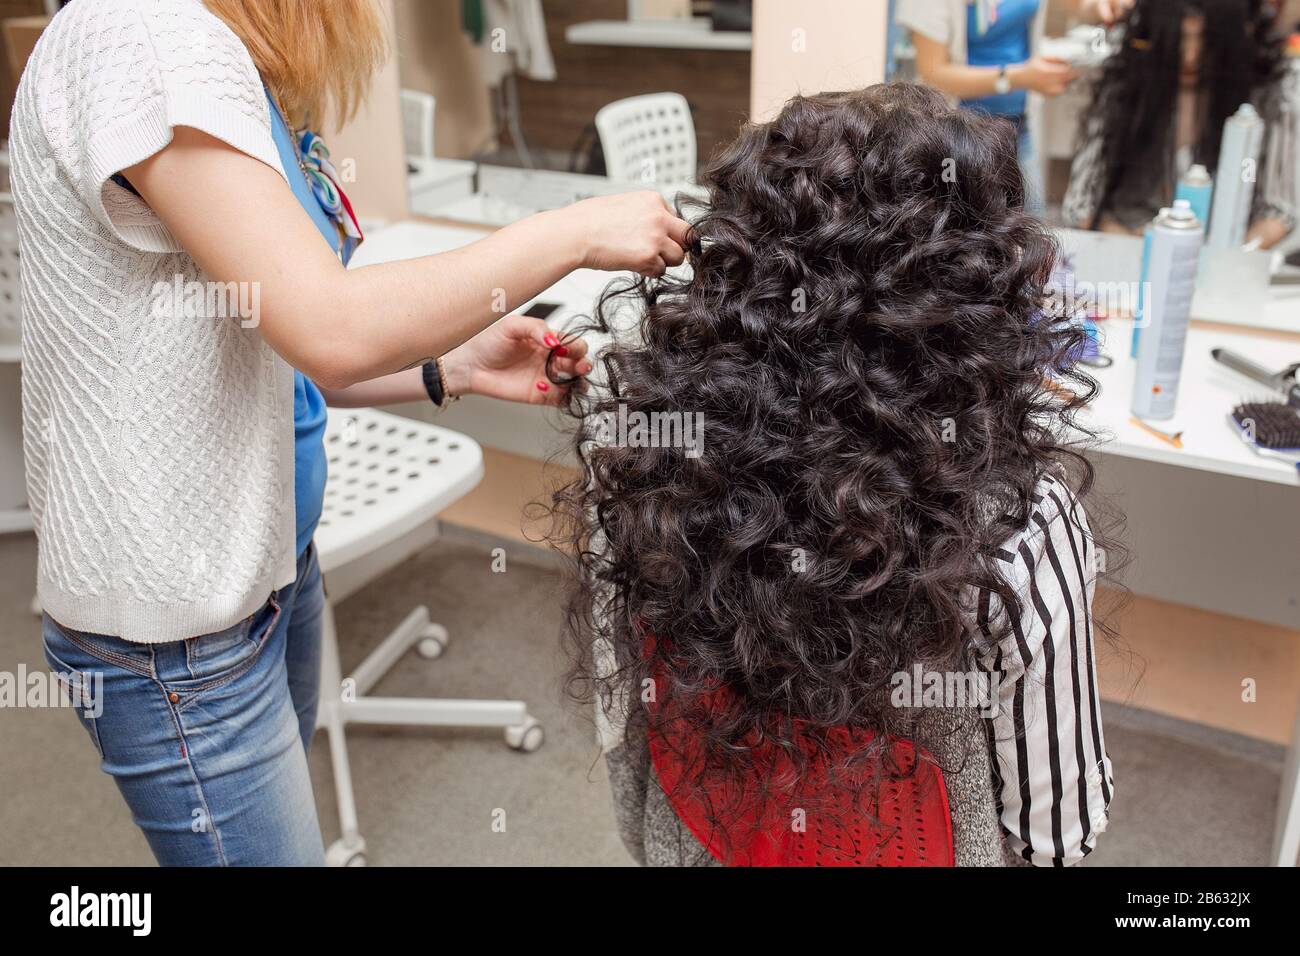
(1178, 216)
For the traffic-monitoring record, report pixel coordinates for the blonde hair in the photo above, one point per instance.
(316, 56)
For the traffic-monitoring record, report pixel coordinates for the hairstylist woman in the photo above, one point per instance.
(175, 468)
(978, 52)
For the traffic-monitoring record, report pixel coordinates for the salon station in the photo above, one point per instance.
(1181, 259)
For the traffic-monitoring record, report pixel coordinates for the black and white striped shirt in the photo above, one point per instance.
(1052, 777)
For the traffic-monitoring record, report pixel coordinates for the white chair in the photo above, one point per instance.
(648, 138)
(417, 123)
(389, 477)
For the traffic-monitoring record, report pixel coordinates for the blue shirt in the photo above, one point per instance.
(309, 413)
(1005, 42)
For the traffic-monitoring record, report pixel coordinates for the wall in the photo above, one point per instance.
(437, 57)
(372, 145)
(814, 46)
(554, 114)
(10, 70)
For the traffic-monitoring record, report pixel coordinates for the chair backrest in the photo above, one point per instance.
(648, 138)
(417, 123)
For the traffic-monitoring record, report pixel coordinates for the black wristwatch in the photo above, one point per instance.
(433, 382)
(1002, 84)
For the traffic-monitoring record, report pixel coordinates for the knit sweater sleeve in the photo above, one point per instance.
(132, 71)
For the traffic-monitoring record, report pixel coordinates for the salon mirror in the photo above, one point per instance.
(512, 108)
(1146, 119)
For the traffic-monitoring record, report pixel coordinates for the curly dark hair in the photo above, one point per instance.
(882, 388)
(1134, 97)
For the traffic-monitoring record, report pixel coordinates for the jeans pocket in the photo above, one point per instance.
(81, 683)
(215, 659)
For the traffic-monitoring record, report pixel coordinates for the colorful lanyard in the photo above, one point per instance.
(314, 160)
(986, 14)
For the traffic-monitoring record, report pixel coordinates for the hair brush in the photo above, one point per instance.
(1271, 429)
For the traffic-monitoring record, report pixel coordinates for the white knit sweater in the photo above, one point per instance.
(160, 457)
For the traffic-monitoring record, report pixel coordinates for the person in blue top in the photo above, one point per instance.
(980, 53)
(206, 733)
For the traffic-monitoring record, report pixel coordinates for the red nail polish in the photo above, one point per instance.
(543, 386)
(551, 340)
(561, 350)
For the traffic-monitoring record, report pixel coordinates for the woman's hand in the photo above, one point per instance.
(1269, 232)
(636, 232)
(507, 360)
(1107, 11)
(1042, 74)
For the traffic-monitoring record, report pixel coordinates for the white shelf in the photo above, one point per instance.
(694, 34)
(434, 172)
(437, 182)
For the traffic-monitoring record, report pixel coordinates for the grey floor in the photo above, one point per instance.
(1184, 796)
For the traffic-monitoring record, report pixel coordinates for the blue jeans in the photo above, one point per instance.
(207, 737)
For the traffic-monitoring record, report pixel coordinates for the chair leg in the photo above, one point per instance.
(350, 848)
(344, 702)
(423, 712)
(380, 661)
(1286, 836)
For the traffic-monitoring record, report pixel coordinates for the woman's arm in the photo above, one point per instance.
(1269, 231)
(397, 388)
(234, 215)
(1102, 11)
(934, 65)
(507, 360)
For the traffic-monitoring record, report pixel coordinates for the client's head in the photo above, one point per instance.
(864, 342)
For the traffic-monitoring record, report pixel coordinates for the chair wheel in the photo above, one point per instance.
(527, 736)
(342, 853)
(433, 643)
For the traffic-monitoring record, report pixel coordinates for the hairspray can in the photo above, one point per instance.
(1243, 136)
(1197, 187)
(1176, 238)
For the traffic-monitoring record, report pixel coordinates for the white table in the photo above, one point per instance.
(506, 194)
(1206, 395)
(1112, 258)
(1215, 525)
